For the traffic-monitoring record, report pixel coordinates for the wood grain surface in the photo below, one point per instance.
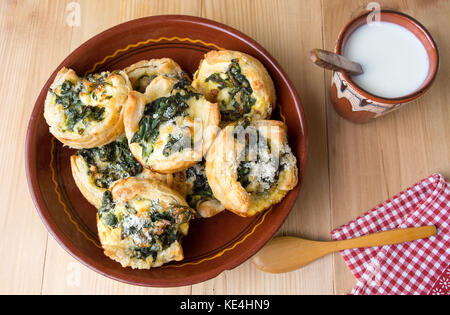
(351, 168)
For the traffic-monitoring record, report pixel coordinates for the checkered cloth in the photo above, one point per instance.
(418, 267)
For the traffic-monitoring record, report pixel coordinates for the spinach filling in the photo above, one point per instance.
(240, 91)
(160, 111)
(106, 210)
(74, 109)
(243, 173)
(200, 190)
(156, 231)
(259, 169)
(177, 143)
(110, 162)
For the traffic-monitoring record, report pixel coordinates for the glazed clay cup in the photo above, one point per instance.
(360, 106)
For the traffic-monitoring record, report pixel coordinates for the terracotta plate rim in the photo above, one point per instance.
(71, 248)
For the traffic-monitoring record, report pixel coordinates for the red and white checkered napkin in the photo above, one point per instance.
(418, 267)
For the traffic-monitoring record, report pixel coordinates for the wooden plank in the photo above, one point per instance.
(65, 275)
(28, 56)
(288, 30)
(372, 162)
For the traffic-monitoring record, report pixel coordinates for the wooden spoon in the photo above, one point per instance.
(329, 60)
(283, 254)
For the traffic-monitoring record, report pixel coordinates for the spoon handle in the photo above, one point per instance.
(387, 237)
(329, 60)
(287, 253)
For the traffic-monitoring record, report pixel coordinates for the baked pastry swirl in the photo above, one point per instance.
(170, 127)
(144, 71)
(141, 223)
(86, 112)
(193, 185)
(238, 82)
(250, 166)
(95, 170)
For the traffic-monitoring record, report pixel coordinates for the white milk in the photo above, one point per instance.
(394, 61)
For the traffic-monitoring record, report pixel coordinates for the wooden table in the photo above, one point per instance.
(351, 168)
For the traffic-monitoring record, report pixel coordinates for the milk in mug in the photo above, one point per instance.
(394, 61)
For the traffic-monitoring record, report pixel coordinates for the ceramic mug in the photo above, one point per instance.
(356, 104)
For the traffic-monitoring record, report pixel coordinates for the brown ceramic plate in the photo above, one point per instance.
(212, 245)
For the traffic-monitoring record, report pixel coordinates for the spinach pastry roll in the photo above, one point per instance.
(144, 71)
(95, 170)
(141, 223)
(193, 185)
(251, 166)
(171, 127)
(86, 112)
(238, 82)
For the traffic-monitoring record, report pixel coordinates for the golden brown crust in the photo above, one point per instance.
(84, 182)
(222, 163)
(118, 248)
(131, 187)
(95, 133)
(203, 120)
(93, 193)
(221, 171)
(144, 71)
(133, 112)
(209, 208)
(217, 61)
